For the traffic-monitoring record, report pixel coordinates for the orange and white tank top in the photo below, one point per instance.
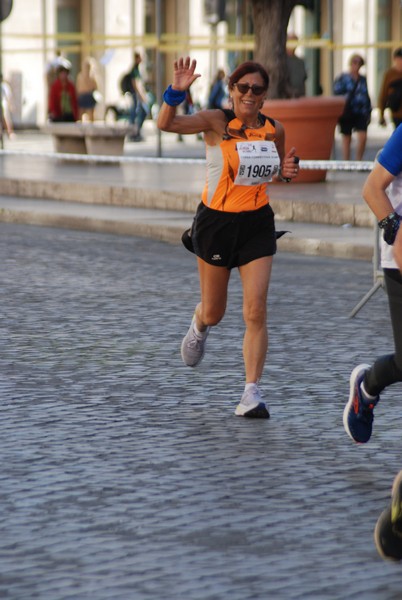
(239, 168)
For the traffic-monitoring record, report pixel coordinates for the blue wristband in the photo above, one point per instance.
(173, 97)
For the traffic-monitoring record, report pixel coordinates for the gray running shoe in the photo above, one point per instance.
(193, 347)
(251, 405)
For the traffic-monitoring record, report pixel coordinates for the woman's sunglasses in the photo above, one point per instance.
(257, 90)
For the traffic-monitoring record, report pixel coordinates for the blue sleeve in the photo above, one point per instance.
(391, 155)
(339, 88)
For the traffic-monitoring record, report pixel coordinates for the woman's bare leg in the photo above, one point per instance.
(214, 286)
(255, 278)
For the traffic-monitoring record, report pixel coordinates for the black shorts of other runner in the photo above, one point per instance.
(227, 239)
(354, 123)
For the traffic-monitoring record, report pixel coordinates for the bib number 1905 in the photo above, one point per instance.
(261, 171)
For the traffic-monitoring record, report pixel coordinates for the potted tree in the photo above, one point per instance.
(309, 121)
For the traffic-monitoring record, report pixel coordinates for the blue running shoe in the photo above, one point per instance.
(388, 529)
(358, 414)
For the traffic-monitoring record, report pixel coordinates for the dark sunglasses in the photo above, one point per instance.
(257, 90)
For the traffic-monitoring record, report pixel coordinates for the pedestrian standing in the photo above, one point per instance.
(86, 86)
(63, 105)
(234, 224)
(297, 72)
(390, 95)
(357, 112)
(140, 108)
(218, 96)
(383, 194)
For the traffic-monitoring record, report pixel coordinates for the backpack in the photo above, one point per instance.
(125, 84)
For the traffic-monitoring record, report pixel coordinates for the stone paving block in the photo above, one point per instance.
(126, 475)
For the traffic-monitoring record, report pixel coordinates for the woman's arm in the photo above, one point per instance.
(374, 191)
(201, 122)
(339, 87)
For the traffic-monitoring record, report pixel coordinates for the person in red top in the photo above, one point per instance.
(63, 105)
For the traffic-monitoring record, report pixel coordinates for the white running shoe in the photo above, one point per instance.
(193, 346)
(251, 405)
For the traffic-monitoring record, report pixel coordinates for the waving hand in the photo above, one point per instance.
(183, 73)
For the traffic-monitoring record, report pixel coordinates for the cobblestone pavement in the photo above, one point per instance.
(125, 475)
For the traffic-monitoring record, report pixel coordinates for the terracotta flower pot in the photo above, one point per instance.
(309, 124)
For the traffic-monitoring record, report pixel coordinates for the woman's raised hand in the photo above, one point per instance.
(183, 74)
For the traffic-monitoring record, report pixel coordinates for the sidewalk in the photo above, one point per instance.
(146, 198)
(125, 474)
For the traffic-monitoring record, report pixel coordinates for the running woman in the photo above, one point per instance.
(234, 223)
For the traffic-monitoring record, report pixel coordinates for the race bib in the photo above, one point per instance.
(258, 162)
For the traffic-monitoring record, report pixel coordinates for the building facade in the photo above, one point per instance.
(218, 33)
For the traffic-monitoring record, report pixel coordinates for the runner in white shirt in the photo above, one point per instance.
(383, 193)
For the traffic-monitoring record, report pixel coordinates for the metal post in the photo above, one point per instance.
(331, 39)
(45, 55)
(330, 24)
(378, 276)
(158, 27)
(213, 54)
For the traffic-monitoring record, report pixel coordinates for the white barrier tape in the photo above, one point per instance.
(327, 165)
(337, 165)
(99, 158)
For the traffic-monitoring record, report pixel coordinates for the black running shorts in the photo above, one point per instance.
(227, 239)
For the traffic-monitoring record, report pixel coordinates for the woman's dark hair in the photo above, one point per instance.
(248, 67)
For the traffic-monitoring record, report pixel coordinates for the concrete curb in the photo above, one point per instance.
(300, 211)
(169, 234)
(88, 193)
